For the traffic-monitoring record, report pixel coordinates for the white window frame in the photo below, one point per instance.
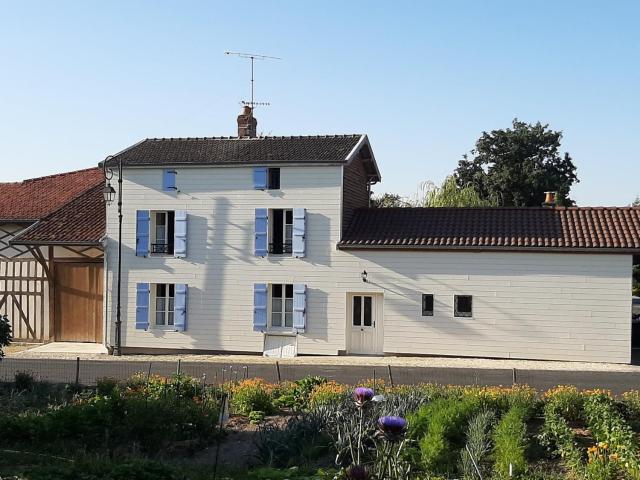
(287, 235)
(168, 311)
(283, 311)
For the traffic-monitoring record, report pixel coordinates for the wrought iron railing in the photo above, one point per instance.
(160, 248)
(280, 248)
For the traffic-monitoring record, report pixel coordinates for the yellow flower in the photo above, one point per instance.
(613, 457)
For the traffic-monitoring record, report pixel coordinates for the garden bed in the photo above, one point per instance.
(155, 427)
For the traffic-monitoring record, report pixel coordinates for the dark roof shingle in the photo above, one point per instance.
(537, 229)
(82, 221)
(233, 150)
(35, 198)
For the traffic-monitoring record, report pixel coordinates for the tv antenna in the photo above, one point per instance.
(252, 57)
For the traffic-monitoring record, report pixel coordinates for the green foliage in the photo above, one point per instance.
(510, 444)
(450, 194)
(24, 381)
(636, 280)
(517, 165)
(256, 417)
(5, 334)
(438, 428)
(252, 395)
(299, 442)
(388, 200)
(614, 435)
(478, 442)
(130, 418)
(106, 385)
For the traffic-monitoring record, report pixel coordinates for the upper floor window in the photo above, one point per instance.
(463, 305)
(266, 178)
(281, 231)
(273, 179)
(162, 232)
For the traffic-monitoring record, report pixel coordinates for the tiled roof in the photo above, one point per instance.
(37, 197)
(82, 221)
(233, 150)
(576, 229)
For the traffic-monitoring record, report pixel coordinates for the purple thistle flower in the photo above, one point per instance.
(362, 396)
(358, 472)
(392, 427)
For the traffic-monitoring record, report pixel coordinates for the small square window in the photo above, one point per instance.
(273, 179)
(463, 305)
(427, 305)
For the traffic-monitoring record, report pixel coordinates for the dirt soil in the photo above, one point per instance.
(238, 449)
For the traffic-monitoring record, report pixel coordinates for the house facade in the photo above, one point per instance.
(266, 245)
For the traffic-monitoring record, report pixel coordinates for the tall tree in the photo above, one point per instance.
(388, 200)
(5, 334)
(636, 202)
(517, 165)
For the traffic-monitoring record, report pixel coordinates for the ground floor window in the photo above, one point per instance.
(164, 304)
(427, 305)
(463, 305)
(282, 305)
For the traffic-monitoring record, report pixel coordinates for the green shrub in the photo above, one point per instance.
(478, 443)
(256, 416)
(566, 401)
(24, 381)
(5, 334)
(510, 443)
(559, 438)
(106, 385)
(438, 428)
(252, 394)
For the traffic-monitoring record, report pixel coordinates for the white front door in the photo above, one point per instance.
(364, 324)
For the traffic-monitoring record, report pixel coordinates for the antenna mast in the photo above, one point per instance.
(252, 57)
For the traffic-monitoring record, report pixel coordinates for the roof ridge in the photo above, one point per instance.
(263, 137)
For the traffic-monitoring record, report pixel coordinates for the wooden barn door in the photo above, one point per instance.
(78, 301)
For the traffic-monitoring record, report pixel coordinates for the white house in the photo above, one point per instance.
(267, 245)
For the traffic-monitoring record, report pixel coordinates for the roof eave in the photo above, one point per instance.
(454, 248)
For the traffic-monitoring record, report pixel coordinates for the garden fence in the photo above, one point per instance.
(87, 372)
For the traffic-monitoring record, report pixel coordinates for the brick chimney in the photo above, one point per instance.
(247, 123)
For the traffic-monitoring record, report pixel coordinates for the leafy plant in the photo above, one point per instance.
(24, 381)
(510, 443)
(478, 445)
(252, 394)
(106, 385)
(5, 334)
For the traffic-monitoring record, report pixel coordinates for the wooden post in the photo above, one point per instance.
(77, 371)
(278, 372)
(390, 376)
(52, 295)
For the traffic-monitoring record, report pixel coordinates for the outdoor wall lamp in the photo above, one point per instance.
(363, 275)
(109, 194)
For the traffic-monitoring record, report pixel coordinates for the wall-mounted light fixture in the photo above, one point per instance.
(363, 275)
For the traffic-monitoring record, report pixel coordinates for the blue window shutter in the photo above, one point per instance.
(299, 307)
(169, 180)
(259, 307)
(260, 178)
(299, 227)
(180, 234)
(142, 306)
(142, 233)
(180, 307)
(261, 227)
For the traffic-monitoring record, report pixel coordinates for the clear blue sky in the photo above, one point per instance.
(81, 80)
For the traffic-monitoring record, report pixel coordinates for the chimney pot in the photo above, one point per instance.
(247, 123)
(549, 199)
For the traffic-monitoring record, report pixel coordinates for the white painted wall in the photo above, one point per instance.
(526, 305)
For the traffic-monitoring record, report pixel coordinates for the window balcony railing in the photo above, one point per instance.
(280, 248)
(160, 248)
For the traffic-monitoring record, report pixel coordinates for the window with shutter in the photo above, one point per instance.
(299, 234)
(261, 230)
(142, 306)
(142, 233)
(299, 307)
(260, 178)
(180, 234)
(169, 180)
(180, 307)
(260, 307)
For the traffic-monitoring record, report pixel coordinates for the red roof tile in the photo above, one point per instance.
(576, 229)
(35, 198)
(82, 221)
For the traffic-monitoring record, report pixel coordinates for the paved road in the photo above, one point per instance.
(64, 371)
